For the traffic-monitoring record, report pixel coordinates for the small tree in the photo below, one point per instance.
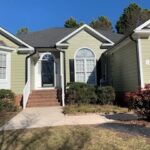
(23, 30)
(132, 17)
(71, 23)
(102, 23)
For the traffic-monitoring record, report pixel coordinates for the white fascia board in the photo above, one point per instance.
(85, 26)
(7, 48)
(142, 32)
(106, 44)
(17, 39)
(143, 25)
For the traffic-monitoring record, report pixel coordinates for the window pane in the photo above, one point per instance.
(2, 73)
(2, 60)
(90, 65)
(80, 77)
(79, 65)
(91, 78)
(2, 66)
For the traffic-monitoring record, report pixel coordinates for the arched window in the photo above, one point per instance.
(47, 57)
(85, 66)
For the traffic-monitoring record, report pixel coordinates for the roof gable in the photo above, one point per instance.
(10, 42)
(91, 31)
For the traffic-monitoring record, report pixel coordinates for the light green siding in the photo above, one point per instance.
(145, 48)
(17, 72)
(81, 40)
(8, 42)
(123, 68)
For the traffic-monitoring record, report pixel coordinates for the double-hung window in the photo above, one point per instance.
(85, 66)
(2, 66)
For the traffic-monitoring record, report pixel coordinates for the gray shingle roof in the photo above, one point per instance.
(49, 37)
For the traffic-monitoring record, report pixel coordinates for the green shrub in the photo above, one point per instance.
(105, 95)
(7, 102)
(81, 93)
(140, 102)
(6, 94)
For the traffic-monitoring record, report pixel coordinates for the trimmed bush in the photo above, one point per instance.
(6, 94)
(7, 100)
(78, 93)
(105, 95)
(81, 93)
(140, 102)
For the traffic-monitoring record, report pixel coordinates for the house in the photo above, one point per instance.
(37, 66)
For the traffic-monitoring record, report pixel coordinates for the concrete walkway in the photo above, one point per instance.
(50, 116)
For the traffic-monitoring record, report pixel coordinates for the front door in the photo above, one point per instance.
(48, 72)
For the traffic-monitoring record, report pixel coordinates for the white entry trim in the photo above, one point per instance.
(38, 77)
(140, 62)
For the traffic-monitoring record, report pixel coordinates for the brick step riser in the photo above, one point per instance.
(45, 103)
(42, 105)
(41, 92)
(41, 101)
(42, 97)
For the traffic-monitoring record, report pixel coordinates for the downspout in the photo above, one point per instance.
(26, 65)
(138, 60)
(64, 66)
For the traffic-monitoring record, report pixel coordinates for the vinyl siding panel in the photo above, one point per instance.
(123, 68)
(81, 40)
(145, 47)
(8, 42)
(17, 72)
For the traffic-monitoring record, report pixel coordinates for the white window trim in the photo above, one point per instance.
(85, 71)
(6, 83)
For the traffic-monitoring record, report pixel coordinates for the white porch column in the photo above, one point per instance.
(62, 77)
(140, 62)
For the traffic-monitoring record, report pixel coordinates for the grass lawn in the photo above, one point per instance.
(6, 116)
(71, 138)
(88, 108)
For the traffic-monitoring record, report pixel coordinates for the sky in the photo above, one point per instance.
(43, 14)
